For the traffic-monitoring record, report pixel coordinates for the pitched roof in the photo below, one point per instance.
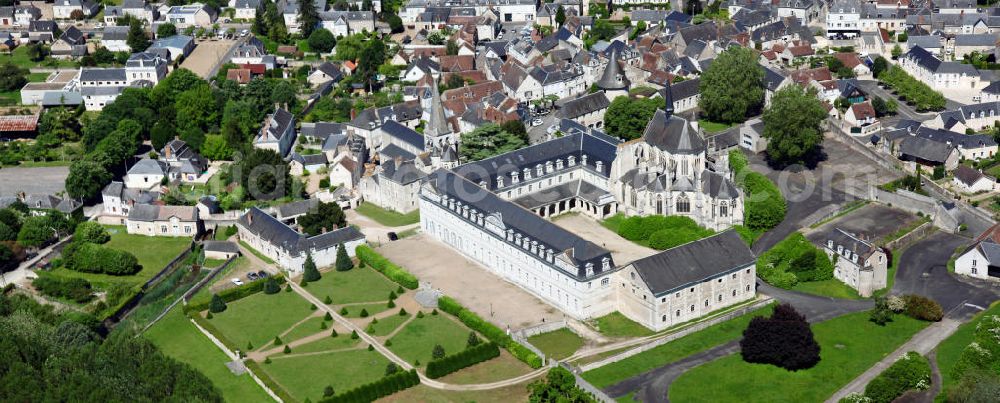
(284, 237)
(585, 104)
(673, 134)
(925, 149)
(613, 77)
(967, 175)
(863, 110)
(154, 212)
(694, 262)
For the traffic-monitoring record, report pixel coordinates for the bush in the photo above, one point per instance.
(922, 308)
(784, 340)
(911, 371)
(881, 314)
(217, 305)
(395, 273)
(235, 293)
(792, 260)
(271, 286)
(764, 207)
(385, 386)
(466, 358)
(895, 303)
(89, 231)
(93, 258)
(75, 289)
(364, 313)
(343, 262)
(488, 330)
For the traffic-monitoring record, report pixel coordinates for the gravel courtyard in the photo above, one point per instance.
(206, 55)
(40, 180)
(489, 296)
(873, 221)
(622, 250)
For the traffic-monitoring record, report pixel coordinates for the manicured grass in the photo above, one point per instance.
(360, 284)
(354, 311)
(387, 325)
(388, 218)
(849, 344)
(705, 339)
(11, 98)
(260, 317)
(213, 263)
(557, 344)
(342, 341)
(178, 338)
(615, 324)
(305, 377)
(498, 369)
(950, 350)
(827, 288)
(256, 253)
(712, 127)
(153, 253)
(19, 56)
(416, 340)
(305, 329)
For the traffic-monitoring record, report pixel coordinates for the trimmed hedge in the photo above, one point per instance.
(387, 268)
(235, 293)
(764, 207)
(254, 367)
(370, 392)
(74, 289)
(662, 232)
(911, 371)
(491, 332)
(922, 308)
(465, 358)
(93, 258)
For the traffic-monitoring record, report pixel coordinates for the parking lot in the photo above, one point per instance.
(492, 298)
(873, 222)
(40, 180)
(208, 55)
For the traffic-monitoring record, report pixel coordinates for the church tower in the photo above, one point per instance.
(613, 82)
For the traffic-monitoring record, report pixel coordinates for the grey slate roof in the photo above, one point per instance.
(284, 237)
(296, 208)
(586, 104)
(694, 262)
(925, 149)
(572, 189)
(220, 246)
(673, 134)
(148, 166)
(115, 33)
(610, 78)
(967, 175)
(99, 74)
(403, 133)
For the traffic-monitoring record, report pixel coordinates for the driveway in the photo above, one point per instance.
(873, 222)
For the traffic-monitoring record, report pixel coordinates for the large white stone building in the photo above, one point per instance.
(288, 247)
(857, 262)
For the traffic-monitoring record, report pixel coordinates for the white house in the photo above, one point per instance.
(982, 259)
(288, 247)
(861, 120)
(156, 220)
(969, 180)
(63, 9)
(344, 23)
(194, 14)
(857, 262)
(146, 174)
(245, 9)
(939, 75)
(843, 19)
(115, 39)
(278, 133)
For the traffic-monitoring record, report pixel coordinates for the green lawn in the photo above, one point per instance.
(260, 317)
(385, 326)
(256, 253)
(305, 377)
(705, 339)
(354, 311)
(360, 284)
(388, 218)
(557, 344)
(10, 98)
(712, 127)
(342, 341)
(178, 338)
(615, 324)
(416, 340)
(950, 350)
(213, 263)
(307, 328)
(849, 344)
(153, 253)
(827, 288)
(19, 56)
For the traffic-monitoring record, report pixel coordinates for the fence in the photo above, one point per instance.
(910, 237)
(539, 329)
(201, 284)
(581, 383)
(676, 335)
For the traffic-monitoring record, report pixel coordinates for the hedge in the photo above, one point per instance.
(387, 268)
(764, 207)
(911, 371)
(93, 258)
(922, 308)
(465, 358)
(235, 293)
(488, 330)
(255, 367)
(370, 392)
(74, 289)
(794, 260)
(662, 232)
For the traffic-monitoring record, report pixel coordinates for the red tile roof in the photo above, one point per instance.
(863, 110)
(18, 123)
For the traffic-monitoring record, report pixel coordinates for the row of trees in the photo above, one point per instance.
(470, 356)
(911, 90)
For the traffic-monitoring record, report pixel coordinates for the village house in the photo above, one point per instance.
(288, 247)
(969, 180)
(982, 259)
(277, 133)
(857, 262)
(156, 220)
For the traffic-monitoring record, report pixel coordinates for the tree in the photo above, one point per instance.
(197, 108)
(263, 173)
(881, 314)
(451, 48)
(879, 65)
(90, 231)
(792, 125)
(602, 30)
(12, 78)
(166, 30)
(36, 52)
(438, 352)
(560, 16)
(326, 217)
(732, 86)
(217, 305)
(435, 38)
(308, 17)
(784, 340)
(515, 127)
(473, 340)
(328, 391)
(559, 385)
(488, 140)
(395, 23)
(627, 117)
(215, 148)
(86, 179)
(321, 40)
(309, 272)
(372, 57)
(271, 286)
(344, 262)
(35, 231)
(137, 39)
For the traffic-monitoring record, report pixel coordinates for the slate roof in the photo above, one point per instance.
(118, 189)
(849, 242)
(673, 134)
(284, 237)
(153, 212)
(967, 175)
(310, 159)
(613, 71)
(407, 135)
(296, 208)
(572, 189)
(148, 166)
(975, 40)
(684, 89)
(694, 262)
(99, 74)
(403, 172)
(220, 246)
(925, 149)
(547, 234)
(586, 104)
(115, 33)
(50, 202)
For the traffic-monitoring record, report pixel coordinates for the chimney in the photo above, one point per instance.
(250, 218)
(324, 230)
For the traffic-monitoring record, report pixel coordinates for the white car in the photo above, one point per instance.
(536, 122)
(244, 32)
(99, 25)
(552, 129)
(237, 281)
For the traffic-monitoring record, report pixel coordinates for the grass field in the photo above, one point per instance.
(827, 288)
(256, 253)
(385, 326)
(388, 218)
(712, 127)
(260, 317)
(178, 338)
(416, 340)
(950, 350)
(307, 328)
(361, 284)
(152, 252)
(342, 341)
(305, 377)
(557, 344)
(354, 311)
(705, 339)
(501, 368)
(20, 58)
(849, 344)
(615, 324)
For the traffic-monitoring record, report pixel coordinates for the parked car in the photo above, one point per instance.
(552, 129)
(226, 20)
(237, 281)
(252, 276)
(244, 32)
(393, 236)
(263, 274)
(536, 122)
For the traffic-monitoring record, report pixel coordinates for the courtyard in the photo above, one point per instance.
(471, 284)
(622, 250)
(208, 55)
(37, 180)
(873, 222)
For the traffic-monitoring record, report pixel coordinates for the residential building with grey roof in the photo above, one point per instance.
(288, 247)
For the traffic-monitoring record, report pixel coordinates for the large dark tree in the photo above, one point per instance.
(308, 17)
(784, 340)
(627, 117)
(732, 87)
(326, 217)
(488, 140)
(309, 271)
(12, 77)
(137, 39)
(263, 174)
(166, 30)
(321, 40)
(86, 179)
(792, 125)
(344, 262)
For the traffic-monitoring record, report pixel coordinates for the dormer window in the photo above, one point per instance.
(840, 250)
(538, 170)
(605, 264)
(515, 177)
(590, 269)
(559, 164)
(829, 243)
(527, 174)
(599, 166)
(499, 181)
(572, 160)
